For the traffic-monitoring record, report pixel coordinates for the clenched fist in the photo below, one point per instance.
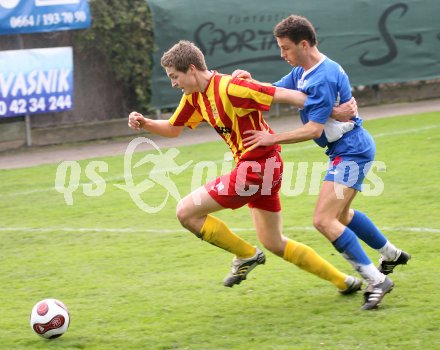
(136, 120)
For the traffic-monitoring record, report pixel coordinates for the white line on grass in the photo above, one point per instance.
(289, 150)
(181, 230)
(400, 132)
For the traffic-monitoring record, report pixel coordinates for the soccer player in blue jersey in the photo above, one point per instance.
(350, 148)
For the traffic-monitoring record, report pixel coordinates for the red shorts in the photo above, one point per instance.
(252, 182)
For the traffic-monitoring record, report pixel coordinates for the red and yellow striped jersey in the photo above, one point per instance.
(230, 106)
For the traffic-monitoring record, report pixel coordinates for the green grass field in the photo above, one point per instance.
(134, 280)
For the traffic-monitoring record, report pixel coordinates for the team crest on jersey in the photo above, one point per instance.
(223, 130)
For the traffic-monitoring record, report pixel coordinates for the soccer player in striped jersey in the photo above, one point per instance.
(232, 107)
(351, 154)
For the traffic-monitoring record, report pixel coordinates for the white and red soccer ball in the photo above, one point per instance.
(50, 318)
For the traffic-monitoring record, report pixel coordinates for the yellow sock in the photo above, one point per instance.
(217, 233)
(307, 259)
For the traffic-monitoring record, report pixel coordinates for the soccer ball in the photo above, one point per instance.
(50, 318)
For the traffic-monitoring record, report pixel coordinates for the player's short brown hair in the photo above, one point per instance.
(181, 55)
(296, 28)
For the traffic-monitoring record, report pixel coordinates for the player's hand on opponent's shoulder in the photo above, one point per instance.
(345, 111)
(136, 120)
(242, 74)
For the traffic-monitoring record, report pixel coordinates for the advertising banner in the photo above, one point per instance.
(374, 41)
(36, 81)
(30, 16)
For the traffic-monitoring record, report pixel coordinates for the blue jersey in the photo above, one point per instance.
(325, 85)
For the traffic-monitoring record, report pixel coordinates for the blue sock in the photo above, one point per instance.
(366, 230)
(348, 245)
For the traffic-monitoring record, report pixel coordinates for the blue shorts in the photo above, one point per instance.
(351, 158)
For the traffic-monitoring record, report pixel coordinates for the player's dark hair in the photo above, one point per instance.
(181, 55)
(296, 28)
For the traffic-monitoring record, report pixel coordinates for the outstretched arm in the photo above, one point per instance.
(160, 127)
(308, 131)
(343, 113)
(291, 97)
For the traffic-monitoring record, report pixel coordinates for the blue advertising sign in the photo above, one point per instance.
(30, 16)
(36, 81)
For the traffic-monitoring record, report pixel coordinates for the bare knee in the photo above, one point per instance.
(191, 220)
(321, 223)
(183, 215)
(330, 227)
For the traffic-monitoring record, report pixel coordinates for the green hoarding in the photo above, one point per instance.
(375, 41)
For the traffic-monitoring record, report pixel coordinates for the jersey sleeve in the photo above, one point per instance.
(247, 96)
(287, 82)
(290, 80)
(319, 103)
(344, 86)
(186, 114)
